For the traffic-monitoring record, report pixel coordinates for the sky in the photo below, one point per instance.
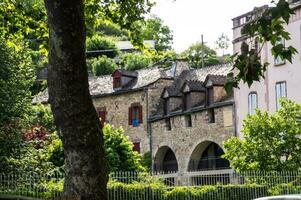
(189, 19)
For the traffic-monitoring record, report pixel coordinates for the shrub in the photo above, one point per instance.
(119, 151)
(103, 66)
(98, 43)
(135, 61)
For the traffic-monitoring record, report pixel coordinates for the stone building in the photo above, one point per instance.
(181, 115)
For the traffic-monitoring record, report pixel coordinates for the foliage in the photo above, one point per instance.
(222, 42)
(16, 78)
(103, 66)
(146, 160)
(107, 28)
(42, 115)
(153, 29)
(162, 192)
(135, 61)
(102, 46)
(194, 55)
(119, 152)
(23, 20)
(268, 27)
(271, 141)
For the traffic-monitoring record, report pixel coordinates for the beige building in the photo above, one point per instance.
(181, 115)
(281, 78)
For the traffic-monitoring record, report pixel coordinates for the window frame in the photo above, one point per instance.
(131, 116)
(251, 111)
(278, 61)
(280, 83)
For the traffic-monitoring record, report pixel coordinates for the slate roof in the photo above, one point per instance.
(128, 73)
(196, 77)
(103, 85)
(216, 79)
(196, 86)
(127, 45)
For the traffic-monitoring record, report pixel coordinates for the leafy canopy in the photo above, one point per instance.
(154, 29)
(97, 45)
(267, 27)
(271, 141)
(194, 55)
(103, 66)
(135, 61)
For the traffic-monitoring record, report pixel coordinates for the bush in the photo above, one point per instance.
(135, 61)
(98, 43)
(119, 152)
(157, 191)
(103, 66)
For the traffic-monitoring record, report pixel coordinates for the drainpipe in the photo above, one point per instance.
(148, 127)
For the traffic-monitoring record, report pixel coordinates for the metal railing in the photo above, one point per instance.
(197, 185)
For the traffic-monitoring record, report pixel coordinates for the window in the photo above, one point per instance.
(168, 124)
(135, 115)
(280, 92)
(101, 115)
(253, 102)
(211, 117)
(188, 121)
(136, 146)
(278, 60)
(116, 82)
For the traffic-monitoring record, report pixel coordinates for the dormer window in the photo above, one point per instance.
(123, 79)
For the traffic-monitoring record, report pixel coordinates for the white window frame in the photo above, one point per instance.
(252, 102)
(278, 60)
(281, 91)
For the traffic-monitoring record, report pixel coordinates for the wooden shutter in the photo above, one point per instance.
(136, 147)
(140, 114)
(130, 116)
(102, 115)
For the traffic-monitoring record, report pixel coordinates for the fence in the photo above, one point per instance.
(198, 185)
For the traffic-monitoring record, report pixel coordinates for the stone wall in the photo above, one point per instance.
(198, 98)
(117, 114)
(219, 93)
(117, 110)
(183, 140)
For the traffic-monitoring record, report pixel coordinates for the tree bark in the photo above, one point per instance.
(71, 103)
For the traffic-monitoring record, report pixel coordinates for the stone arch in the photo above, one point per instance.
(207, 156)
(165, 160)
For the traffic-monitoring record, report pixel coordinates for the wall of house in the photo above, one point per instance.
(175, 103)
(117, 106)
(197, 98)
(154, 96)
(266, 89)
(117, 114)
(183, 140)
(219, 93)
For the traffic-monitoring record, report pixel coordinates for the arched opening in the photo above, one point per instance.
(165, 160)
(207, 156)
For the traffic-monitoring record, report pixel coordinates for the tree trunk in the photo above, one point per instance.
(71, 103)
